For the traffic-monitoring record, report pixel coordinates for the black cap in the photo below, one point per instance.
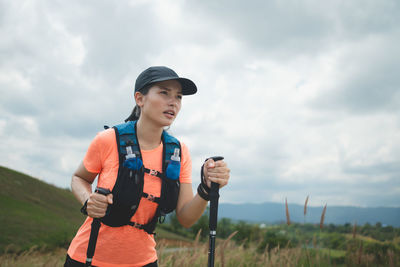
(160, 73)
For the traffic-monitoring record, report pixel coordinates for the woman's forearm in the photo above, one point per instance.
(80, 188)
(192, 211)
(81, 183)
(189, 208)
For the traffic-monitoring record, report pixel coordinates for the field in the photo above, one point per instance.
(180, 251)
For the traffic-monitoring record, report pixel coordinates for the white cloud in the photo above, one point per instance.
(301, 99)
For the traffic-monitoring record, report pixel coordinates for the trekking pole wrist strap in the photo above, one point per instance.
(203, 190)
(84, 208)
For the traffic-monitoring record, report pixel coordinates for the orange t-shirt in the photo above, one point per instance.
(125, 245)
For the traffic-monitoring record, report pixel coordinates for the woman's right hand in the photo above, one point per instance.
(97, 204)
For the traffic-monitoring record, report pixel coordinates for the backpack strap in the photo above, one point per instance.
(94, 233)
(127, 143)
(127, 140)
(170, 145)
(151, 198)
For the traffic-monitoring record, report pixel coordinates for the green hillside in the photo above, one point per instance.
(33, 213)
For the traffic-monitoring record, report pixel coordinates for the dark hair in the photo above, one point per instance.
(135, 114)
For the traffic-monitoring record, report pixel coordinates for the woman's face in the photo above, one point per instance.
(162, 103)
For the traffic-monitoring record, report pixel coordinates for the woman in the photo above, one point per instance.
(158, 96)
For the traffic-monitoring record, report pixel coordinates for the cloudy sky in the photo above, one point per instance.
(301, 97)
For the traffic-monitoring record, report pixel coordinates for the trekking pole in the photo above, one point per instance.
(214, 196)
(94, 231)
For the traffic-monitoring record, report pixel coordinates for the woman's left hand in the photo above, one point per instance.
(217, 172)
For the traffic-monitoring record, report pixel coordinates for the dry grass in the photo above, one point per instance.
(321, 223)
(305, 206)
(224, 246)
(34, 258)
(231, 255)
(228, 254)
(287, 212)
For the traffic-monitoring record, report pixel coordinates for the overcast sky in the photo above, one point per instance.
(301, 97)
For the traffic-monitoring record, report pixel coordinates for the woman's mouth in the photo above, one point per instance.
(170, 114)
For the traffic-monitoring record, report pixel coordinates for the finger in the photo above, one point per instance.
(96, 212)
(221, 181)
(220, 163)
(210, 163)
(100, 198)
(96, 207)
(98, 204)
(216, 171)
(109, 198)
(218, 167)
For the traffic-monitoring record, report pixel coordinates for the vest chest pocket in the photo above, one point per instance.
(170, 195)
(127, 193)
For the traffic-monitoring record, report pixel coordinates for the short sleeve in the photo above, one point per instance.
(186, 166)
(92, 160)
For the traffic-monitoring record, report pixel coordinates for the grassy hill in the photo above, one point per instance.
(33, 213)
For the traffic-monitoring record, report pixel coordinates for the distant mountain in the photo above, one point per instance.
(275, 213)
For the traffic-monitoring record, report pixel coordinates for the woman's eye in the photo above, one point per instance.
(164, 92)
(179, 96)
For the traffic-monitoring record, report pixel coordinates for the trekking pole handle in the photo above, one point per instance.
(214, 196)
(103, 191)
(217, 158)
(215, 186)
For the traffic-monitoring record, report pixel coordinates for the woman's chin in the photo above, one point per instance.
(167, 122)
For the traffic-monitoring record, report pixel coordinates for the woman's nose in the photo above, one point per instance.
(173, 102)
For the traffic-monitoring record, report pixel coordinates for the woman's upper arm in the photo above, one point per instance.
(92, 162)
(186, 166)
(185, 195)
(84, 174)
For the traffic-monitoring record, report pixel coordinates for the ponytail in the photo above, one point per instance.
(136, 110)
(134, 115)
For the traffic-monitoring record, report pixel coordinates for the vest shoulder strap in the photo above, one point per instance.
(126, 137)
(127, 140)
(170, 144)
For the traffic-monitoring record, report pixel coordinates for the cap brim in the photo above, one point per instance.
(188, 87)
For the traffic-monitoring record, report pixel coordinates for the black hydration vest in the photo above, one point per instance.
(128, 188)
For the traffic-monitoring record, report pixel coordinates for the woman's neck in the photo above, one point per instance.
(148, 134)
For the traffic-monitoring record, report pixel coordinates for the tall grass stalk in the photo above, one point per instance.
(224, 244)
(321, 223)
(287, 212)
(305, 208)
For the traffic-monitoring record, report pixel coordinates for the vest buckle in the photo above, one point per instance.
(136, 225)
(151, 198)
